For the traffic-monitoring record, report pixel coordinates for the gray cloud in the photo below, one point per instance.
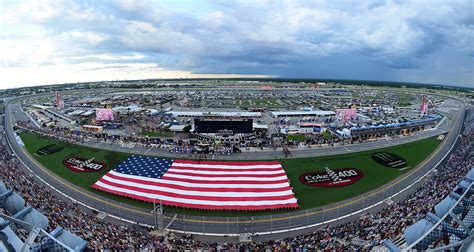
(331, 39)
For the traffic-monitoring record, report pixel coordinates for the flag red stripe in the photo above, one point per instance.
(208, 193)
(204, 189)
(225, 162)
(198, 206)
(195, 197)
(225, 182)
(170, 171)
(179, 167)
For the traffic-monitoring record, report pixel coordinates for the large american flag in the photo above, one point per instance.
(216, 185)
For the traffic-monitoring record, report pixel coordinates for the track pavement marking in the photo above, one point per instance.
(389, 142)
(171, 221)
(67, 184)
(146, 152)
(347, 149)
(405, 176)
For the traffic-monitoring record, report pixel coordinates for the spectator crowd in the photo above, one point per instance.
(126, 141)
(190, 146)
(365, 233)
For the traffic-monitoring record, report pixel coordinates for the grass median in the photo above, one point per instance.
(375, 174)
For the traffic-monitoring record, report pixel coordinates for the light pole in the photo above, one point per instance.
(253, 226)
(158, 211)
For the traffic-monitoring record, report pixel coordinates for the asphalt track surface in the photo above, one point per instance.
(262, 227)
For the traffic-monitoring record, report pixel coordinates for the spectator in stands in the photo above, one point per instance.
(362, 234)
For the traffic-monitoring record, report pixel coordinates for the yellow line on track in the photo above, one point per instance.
(68, 185)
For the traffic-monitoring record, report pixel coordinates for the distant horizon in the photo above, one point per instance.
(263, 79)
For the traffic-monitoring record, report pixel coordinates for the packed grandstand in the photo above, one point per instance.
(266, 126)
(368, 232)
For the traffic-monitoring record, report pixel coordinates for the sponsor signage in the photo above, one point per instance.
(226, 132)
(104, 114)
(332, 177)
(49, 149)
(389, 159)
(80, 164)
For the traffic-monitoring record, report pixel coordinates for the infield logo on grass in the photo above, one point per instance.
(49, 149)
(332, 178)
(80, 164)
(389, 159)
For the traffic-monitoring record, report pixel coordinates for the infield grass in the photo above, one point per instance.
(157, 133)
(375, 175)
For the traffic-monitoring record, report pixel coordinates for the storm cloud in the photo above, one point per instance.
(415, 41)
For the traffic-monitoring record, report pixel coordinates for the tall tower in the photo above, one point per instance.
(59, 102)
(424, 106)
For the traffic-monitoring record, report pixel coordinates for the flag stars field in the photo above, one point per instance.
(205, 185)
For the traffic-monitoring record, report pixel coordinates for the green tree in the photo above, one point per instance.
(187, 128)
(326, 134)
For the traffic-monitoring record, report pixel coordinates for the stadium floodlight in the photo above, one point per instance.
(38, 239)
(444, 206)
(463, 184)
(461, 233)
(13, 243)
(391, 246)
(12, 202)
(33, 217)
(3, 188)
(417, 230)
(464, 200)
(69, 239)
(158, 212)
(424, 233)
(470, 175)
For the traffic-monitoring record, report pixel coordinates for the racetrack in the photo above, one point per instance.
(266, 226)
(374, 175)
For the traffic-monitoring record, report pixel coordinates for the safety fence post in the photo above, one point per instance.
(307, 218)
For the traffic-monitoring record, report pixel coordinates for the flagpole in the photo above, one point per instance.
(156, 217)
(161, 217)
(422, 105)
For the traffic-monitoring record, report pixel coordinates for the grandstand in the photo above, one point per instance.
(233, 126)
(448, 193)
(395, 128)
(450, 227)
(229, 114)
(23, 228)
(366, 233)
(302, 113)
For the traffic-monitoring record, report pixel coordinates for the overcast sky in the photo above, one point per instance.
(46, 42)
